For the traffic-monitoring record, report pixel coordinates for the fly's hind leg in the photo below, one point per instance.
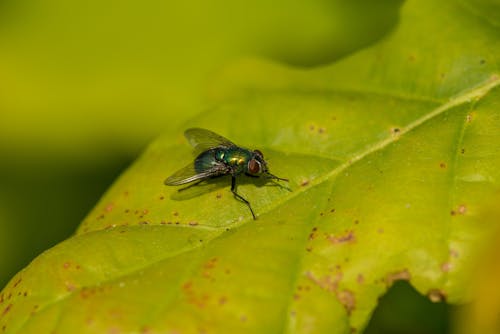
(238, 196)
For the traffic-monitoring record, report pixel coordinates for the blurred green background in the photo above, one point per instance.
(85, 85)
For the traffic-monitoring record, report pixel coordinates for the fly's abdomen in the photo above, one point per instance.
(205, 161)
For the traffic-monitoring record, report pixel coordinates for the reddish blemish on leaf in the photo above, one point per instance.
(346, 298)
(437, 295)
(331, 284)
(403, 275)
(17, 282)
(66, 265)
(193, 223)
(146, 330)
(109, 207)
(445, 267)
(6, 309)
(348, 237)
(313, 234)
(70, 286)
(222, 300)
(304, 183)
(360, 279)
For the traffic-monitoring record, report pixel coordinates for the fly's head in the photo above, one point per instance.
(257, 165)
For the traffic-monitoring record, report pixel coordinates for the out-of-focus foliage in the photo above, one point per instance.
(483, 315)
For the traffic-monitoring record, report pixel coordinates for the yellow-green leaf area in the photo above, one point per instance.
(390, 153)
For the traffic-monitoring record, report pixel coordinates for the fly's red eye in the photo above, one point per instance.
(259, 153)
(253, 166)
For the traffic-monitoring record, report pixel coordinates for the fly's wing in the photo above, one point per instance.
(189, 174)
(203, 140)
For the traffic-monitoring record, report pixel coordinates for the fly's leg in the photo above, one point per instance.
(233, 190)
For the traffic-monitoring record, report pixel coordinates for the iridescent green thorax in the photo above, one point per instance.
(235, 157)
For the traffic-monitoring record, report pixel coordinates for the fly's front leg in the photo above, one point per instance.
(233, 190)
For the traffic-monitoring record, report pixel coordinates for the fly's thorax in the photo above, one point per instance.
(235, 157)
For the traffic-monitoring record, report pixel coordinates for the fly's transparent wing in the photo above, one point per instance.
(189, 174)
(202, 139)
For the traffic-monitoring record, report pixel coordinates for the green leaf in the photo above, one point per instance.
(390, 153)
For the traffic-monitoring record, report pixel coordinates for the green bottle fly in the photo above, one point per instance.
(217, 157)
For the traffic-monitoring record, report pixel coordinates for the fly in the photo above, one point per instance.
(217, 156)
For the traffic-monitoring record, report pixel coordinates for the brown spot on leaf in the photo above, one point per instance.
(176, 213)
(162, 198)
(218, 195)
(347, 299)
(395, 130)
(304, 183)
(17, 282)
(331, 284)
(109, 207)
(360, 279)
(347, 237)
(442, 165)
(445, 267)
(193, 223)
(436, 295)
(403, 275)
(6, 309)
(462, 209)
